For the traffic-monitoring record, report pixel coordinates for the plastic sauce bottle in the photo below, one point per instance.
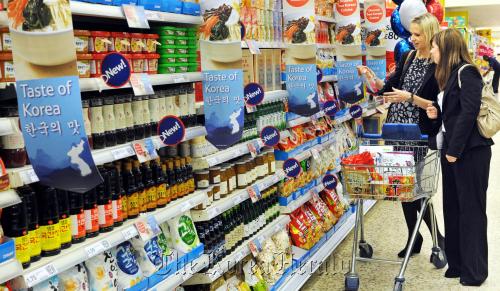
(120, 120)
(131, 190)
(91, 213)
(120, 190)
(49, 222)
(141, 190)
(138, 114)
(28, 196)
(172, 181)
(97, 123)
(104, 203)
(108, 114)
(77, 216)
(116, 190)
(15, 225)
(161, 184)
(64, 218)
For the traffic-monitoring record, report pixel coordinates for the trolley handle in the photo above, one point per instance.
(398, 131)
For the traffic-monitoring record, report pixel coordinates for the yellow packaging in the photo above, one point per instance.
(161, 192)
(35, 242)
(247, 66)
(51, 237)
(65, 230)
(133, 204)
(152, 197)
(173, 192)
(143, 201)
(22, 248)
(124, 207)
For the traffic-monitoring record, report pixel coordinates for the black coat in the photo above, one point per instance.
(460, 111)
(429, 90)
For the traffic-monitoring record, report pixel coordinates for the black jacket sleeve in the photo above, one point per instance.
(395, 78)
(494, 64)
(470, 103)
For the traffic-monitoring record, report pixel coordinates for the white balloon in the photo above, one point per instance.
(410, 9)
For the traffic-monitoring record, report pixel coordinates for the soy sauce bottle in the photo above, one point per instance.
(77, 216)
(138, 113)
(15, 225)
(104, 203)
(115, 190)
(141, 190)
(146, 117)
(97, 123)
(108, 113)
(28, 196)
(49, 222)
(133, 208)
(150, 186)
(120, 120)
(64, 218)
(160, 183)
(172, 180)
(91, 213)
(129, 117)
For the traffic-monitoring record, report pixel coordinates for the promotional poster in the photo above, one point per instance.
(375, 41)
(222, 73)
(49, 101)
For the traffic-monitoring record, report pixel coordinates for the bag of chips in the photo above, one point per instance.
(129, 272)
(102, 271)
(51, 284)
(148, 254)
(74, 279)
(183, 232)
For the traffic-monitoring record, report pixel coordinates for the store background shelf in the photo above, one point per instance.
(234, 199)
(264, 45)
(231, 260)
(10, 270)
(26, 175)
(182, 275)
(116, 12)
(80, 252)
(97, 84)
(222, 156)
(301, 200)
(7, 125)
(8, 198)
(297, 278)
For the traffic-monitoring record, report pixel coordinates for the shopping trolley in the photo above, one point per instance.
(403, 183)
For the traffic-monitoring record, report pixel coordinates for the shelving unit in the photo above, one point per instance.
(183, 275)
(116, 12)
(301, 200)
(264, 45)
(222, 156)
(10, 270)
(78, 253)
(26, 175)
(329, 78)
(298, 278)
(231, 260)
(234, 199)
(326, 46)
(8, 198)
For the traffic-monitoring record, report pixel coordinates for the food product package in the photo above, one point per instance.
(74, 279)
(168, 254)
(253, 276)
(333, 202)
(322, 213)
(129, 272)
(102, 271)
(183, 232)
(148, 255)
(51, 284)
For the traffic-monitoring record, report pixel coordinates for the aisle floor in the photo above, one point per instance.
(386, 232)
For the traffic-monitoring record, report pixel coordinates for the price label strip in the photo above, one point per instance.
(315, 154)
(29, 177)
(186, 206)
(136, 16)
(153, 224)
(122, 152)
(253, 46)
(141, 84)
(180, 79)
(97, 248)
(40, 275)
(213, 212)
(129, 233)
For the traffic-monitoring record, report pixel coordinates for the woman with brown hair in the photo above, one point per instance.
(465, 158)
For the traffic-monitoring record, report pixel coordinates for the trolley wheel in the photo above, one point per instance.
(438, 259)
(398, 286)
(351, 282)
(365, 250)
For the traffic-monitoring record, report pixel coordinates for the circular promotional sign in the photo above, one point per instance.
(330, 108)
(356, 111)
(346, 7)
(115, 70)
(292, 168)
(254, 94)
(330, 182)
(171, 130)
(319, 74)
(270, 136)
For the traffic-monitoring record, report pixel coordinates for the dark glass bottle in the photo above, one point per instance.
(105, 203)
(28, 197)
(91, 213)
(49, 222)
(133, 208)
(179, 178)
(108, 114)
(77, 216)
(15, 225)
(138, 117)
(146, 116)
(117, 193)
(97, 123)
(160, 184)
(120, 119)
(141, 190)
(129, 117)
(64, 218)
(86, 121)
(150, 186)
(172, 180)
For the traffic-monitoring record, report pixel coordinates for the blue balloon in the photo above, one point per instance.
(397, 26)
(401, 48)
(398, 2)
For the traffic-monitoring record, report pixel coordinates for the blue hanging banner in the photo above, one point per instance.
(223, 106)
(349, 82)
(270, 136)
(171, 130)
(301, 85)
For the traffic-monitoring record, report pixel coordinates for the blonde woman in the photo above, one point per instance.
(465, 158)
(411, 86)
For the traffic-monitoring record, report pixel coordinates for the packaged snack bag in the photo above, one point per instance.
(74, 279)
(183, 232)
(102, 271)
(321, 212)
(51, 284)
(148, 254)
(129, 272)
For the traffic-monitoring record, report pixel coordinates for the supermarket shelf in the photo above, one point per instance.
(325, 19)
(7, 125)
(234, 199)
(10, 270)
(78, 253)
(272, 96)
(302, 120)
(300, 201)
(229, 261)
(26, 175)
(329, 78)
(97, 84)
(116, 12)
(299, 277)
(264, 45)
(182, 275)
(326, 46)
(8, 198)
(308, 153)
(222, 156)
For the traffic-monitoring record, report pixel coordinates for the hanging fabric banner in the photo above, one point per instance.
(348, 47)
(375, 42)
(300, 57)
(221, 63)
(48, 94)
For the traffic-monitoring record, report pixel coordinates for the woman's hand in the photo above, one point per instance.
(371, 76)
(451, 159)
(432, 112)
(397, 96)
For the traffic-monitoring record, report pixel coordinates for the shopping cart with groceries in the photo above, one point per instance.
(396, 165)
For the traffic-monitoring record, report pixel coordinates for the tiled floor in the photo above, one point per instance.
(386, 232)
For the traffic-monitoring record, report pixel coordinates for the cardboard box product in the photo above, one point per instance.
(247, 66)
(277, 69)
(268, 53)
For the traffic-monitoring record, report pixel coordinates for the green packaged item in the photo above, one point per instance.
(192, 49)
(167, 49)
(180, 31)
(193, 67)
(167, 40)
(192, 41)
(182, 51)
(181, 68)
(191, 32)
(192, 58)
(183, 233)
(181, 59)
(168, 58)
(167, 31)
(181, 40)
(166, 69)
